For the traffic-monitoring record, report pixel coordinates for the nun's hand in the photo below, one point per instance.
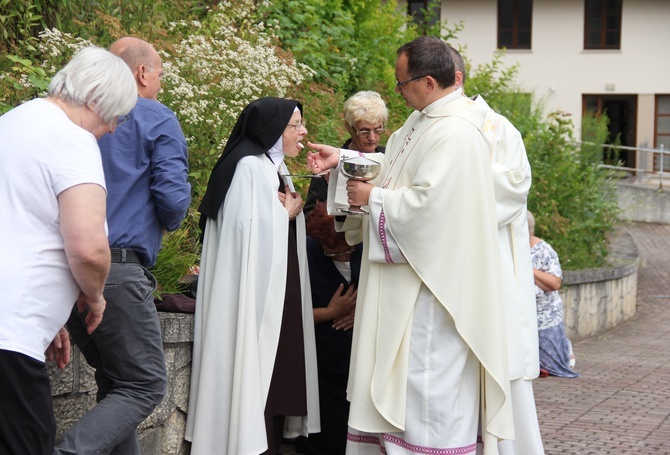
(292, 202)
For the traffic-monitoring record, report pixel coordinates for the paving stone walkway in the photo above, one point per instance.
(621, 402)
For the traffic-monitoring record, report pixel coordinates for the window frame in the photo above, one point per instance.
(516, 30)
(657, 116)
(420, 19)
(607, 9)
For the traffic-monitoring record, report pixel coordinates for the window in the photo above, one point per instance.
(621, 110)
(425, 13)
(662, 136)
(515, 18)
(602, 24)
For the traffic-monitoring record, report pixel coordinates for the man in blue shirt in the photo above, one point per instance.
(146, 171)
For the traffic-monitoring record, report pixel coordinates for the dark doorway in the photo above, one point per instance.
(622, 113)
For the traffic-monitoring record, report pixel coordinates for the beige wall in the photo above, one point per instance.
(557, 68)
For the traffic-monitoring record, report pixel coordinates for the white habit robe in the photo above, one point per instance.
(238, 317)
(511, 173)
(432, 229)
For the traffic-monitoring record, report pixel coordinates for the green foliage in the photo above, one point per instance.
(18, 19)
(100, 21)
(351, 45)
(219, 57)
(24, 82)
(572, 198)
(178, 256)
(220, 66)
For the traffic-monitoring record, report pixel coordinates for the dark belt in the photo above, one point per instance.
(122, 255)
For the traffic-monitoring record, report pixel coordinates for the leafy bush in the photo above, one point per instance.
(219, 67)
(217, 58)
(572, 198)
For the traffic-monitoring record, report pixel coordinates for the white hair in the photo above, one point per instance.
(98, 79)
(531, 223)
(365, 106)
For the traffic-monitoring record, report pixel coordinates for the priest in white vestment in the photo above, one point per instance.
(511, 181)
(430, 348)
(254, 378)
(511, 173)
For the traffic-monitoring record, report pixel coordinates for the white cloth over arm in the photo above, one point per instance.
(511, 174)
(512, 180)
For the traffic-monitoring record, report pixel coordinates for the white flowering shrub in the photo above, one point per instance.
(216, 70)
(28, 80)
(212, 71)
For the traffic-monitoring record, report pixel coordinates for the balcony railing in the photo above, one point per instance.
(650, 162)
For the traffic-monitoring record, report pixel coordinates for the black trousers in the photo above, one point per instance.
(27, 424)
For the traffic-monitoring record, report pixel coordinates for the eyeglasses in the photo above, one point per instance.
(368, 133)
(400, 84)
(298, 125)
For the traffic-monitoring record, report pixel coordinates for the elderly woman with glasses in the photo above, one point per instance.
(254, 378)
(365, 116)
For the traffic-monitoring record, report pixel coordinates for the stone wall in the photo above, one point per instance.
(595, 301)
(645, 202)
(74, 389)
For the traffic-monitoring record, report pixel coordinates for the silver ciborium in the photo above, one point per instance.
(361, 169)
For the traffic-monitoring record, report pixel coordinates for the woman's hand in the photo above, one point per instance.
(291, 201)
(341, 304)
(345, 322)
(546, 281)
(326, 157)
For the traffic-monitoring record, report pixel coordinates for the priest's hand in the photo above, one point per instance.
(291, 201)
(358, 193)
(326, 157)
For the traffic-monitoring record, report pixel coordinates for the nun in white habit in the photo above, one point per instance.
(254, 379)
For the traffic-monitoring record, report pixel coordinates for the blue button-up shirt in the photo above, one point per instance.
(146, 172)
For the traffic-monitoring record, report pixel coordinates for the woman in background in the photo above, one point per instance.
(556, 357)
(365, 117)
(334, 268)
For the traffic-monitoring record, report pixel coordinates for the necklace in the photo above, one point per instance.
(338, 253)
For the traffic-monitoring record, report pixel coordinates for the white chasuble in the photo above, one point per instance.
(512, 180)
(432, 229)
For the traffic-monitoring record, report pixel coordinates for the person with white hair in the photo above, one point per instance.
(146, 169)
(365, 116)
(53, 235)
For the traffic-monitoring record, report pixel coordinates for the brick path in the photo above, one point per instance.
(621, 403)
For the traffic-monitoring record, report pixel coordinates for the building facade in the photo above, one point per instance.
(578, 56)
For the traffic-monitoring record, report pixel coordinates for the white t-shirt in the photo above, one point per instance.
(42, 153)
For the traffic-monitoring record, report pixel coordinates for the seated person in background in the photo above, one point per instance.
(333, 271)
(365, 117)
(556, 356)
